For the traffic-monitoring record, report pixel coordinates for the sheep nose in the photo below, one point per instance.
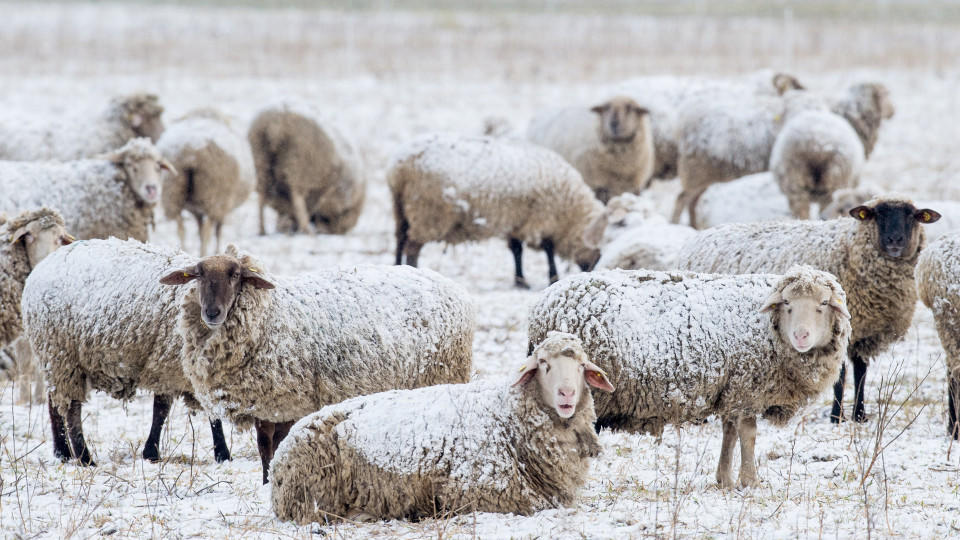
(565, 392)
(801, 334)
(213, 312)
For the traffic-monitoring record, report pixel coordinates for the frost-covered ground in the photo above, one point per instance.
(385, 77)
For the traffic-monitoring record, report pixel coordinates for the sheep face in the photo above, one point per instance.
(783, 83)
(806, 312)
(562, 371)
(145, 178)
(220, 278)
(897, 234)
(40, 238)
(143, 114)
(621, 119)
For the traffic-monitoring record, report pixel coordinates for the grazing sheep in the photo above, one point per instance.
(637, 236)
(815, 154)
(97, 319)
(610, 144)
(269, 350)
(113, 195)
(872, 255)
(481, 446)
(681, 347)
(451, 188)
(938, 272)
(80, 134)
(306, 170)
(215, 172)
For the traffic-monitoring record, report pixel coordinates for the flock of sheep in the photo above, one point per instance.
(357, 380)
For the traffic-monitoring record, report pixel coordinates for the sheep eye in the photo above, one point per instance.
(786, 302)
(825, 302)
(790, 310)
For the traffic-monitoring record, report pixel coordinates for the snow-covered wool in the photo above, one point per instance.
(306, 169)
(481, 446)
(453, 188)
(610, 144)
(865, 106)
(79, 134)
(97, 318)
(847, 199)
(638, 237)
(215, 172)
(680, 347)
(113, 195)
(874, 267)
(755, 197)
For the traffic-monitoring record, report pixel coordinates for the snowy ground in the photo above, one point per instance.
(385, 77)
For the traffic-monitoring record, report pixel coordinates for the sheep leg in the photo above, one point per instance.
(75, 428)
(547, 246)
(161, 408)
(678, 207)
(402, 228)
(692, 207)
(181, 231)
(280, 432)
(859, 374)
(221, 452)
(413, 253)
(265, 432)
(748, 463)
(724, 477)
(205, 226)
(516, 247)
(799, 207)
(953, 400)
(262, 204)
(61, 450)
(836, 413)
(300, 212)
(218, 230)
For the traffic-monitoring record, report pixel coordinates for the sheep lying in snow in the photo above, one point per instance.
(873, 257)
(755, 197)
(268, 350)
(451, 188)
(113, 195)
(480, 446)
(610, 144)
(79, 135)
(214, 176)
(97, 319)
(681, 347)
(306, 170)
(637, 236)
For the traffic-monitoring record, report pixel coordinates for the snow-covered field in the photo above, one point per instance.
(387, 76)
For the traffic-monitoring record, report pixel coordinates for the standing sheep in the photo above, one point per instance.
(109, 196)
(269, 350)
(681, 347)
(451, 188)
(480, 446)
(97, 319)
(80, 134)
(214, 176)
(306, 170)
(872, 255)
(610, 144)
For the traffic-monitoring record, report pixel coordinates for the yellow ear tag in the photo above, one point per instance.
(523, 367)
(863, 214)
(186, 274)
(254, 270)
(926, 216)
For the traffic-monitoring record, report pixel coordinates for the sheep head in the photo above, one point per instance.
(896, 219)
(783, 83)
(804, 305)
(142, 113)
(142, 167)
(621, 119)
(41, 232)
(562, 371)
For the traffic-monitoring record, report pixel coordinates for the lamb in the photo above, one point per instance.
(80, 134)
(872, 255)
(610, 144)
(815, 154)
(215, 172)
(306, 170)
(938, 271)
(638, 237)
(269, 350)
(113, 195)
(96, 318)
(681, 347)
(481, 446)
(454, 189)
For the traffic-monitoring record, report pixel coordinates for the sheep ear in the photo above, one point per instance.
(772, 301)
(165, 164)
(863, 213)
(926, 215)
(593, 234)
(640, 111)
(66, 239)
(528, 370)
(252, 276)
(19, 234)
(837, 304)
(600, 109)
(180, 277)
(596, 377)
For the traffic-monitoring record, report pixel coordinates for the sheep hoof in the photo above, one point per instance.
(151, 454)
(554, 278)
(360, 516)
(748, 481)
(221, 456)
(521, 283)
(860, 417)
(725, 481)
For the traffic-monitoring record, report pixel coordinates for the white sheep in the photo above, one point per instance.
(113, 195)
(681, 347)
(80, 133)
(452, 188)
(215, 172)
(269, 350)
(755, 197)
(637, 236)
(481, 446)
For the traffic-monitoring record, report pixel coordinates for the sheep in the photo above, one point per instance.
(755, 197)
(25, 240)
(306, 170)
(481, 446)
(215, 172)
(865, 106)
(815, 154)
(847, 199)
(938, 272)
(638, 237)
(454, 189)
(610, 144)
(113, 195)
(81, 134)
(872, 255)
(681, 347)
(96, 318)
(950, 218)
(268, 350)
